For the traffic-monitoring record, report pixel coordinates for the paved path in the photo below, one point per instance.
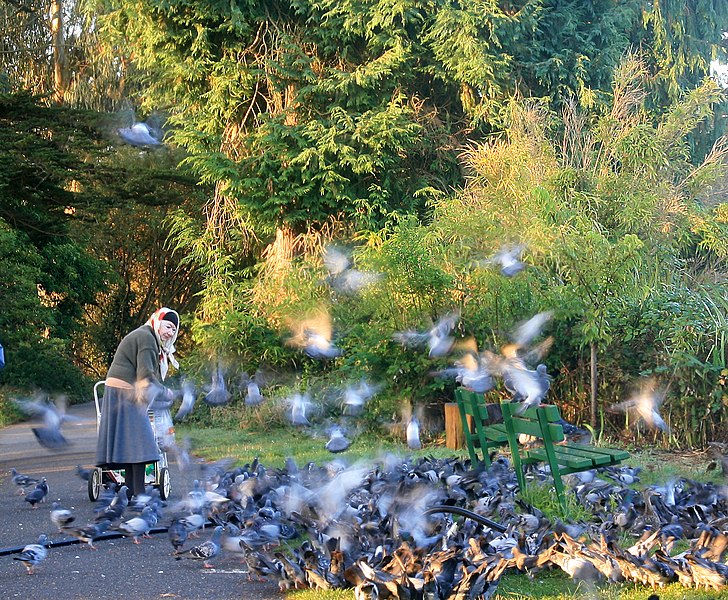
(118, 569)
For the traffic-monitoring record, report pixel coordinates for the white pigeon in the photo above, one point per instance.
(342, 276)
(141, 135)
(253, 397)
(437, 338)
(413, 434)
(218, 394)
(32, 554)
(356, 396)
(300, 404)
(527, 386)
(509, 259)
(528, 330)
(645, 405)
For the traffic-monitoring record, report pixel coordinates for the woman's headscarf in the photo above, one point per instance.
(166, 353)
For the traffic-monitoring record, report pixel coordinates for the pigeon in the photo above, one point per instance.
(189, 397)
(38, 494)
(141, 135)
(53, 415)
(23, 481)
(218, 394)
(32, 554)
(83, 472)
(89, 532)
(342, 277)
(253, 397)
(314, 336)
(355, 397)
(61, 516)
(437, 338)
(204, 551)
(337, 442)
(177, 533)
(413, 434)
(528, 387)
(509, 260)
(529, 330)
(299, 407)
(137, 527)
(645, 405)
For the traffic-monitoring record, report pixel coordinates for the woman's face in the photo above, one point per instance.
(167, 330)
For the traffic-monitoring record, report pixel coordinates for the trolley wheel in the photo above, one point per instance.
(165, 485)
(94, 485)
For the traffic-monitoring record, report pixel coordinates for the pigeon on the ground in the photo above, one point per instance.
(137, 527)
(204, 551)
(38, 494)
(177, 533)
(32, 554)
(83, 473)
(337, 442)
(88, 533)
(23, 481)
(61, 516)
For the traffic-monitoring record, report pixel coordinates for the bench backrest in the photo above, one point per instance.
(475, 405)
(537, 421)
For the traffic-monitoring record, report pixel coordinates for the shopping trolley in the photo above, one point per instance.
(157, 474)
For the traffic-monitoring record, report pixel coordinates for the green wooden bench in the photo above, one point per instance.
(484, 430)
(563, 458)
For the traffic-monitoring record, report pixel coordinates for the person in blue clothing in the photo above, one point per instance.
(134, 384)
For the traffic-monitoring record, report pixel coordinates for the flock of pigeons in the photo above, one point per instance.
(386, 529)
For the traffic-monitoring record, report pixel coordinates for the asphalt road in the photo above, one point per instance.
(119, 568)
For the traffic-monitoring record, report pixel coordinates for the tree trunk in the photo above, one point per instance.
(59, 50)
(593, 374)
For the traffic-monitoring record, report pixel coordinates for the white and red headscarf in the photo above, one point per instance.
(167, 349)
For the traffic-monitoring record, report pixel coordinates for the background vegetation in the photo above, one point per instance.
(420, 136)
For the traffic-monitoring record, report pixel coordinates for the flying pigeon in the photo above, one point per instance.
(38, 494)
(22, 481)
(314, 336)
(140, 135)
(53, 414)
(204, 551)
(527, 386)
(32, 554)
(413, 434)
(299, 407)
(645, 405)
(437, 338)
(337, 442)
(189, 397)
(355, 397)
(218, 394)
(253, 397)
(61, 516)
(342, 276)
(509, 260)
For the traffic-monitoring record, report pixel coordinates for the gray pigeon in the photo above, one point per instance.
(646, 406)
(437, 338)
(61, 516)
(300, 405)
(53, 414)
(355, 397)
(342, 276)
(509, 260)
(253, 397)
(204, 551)
(32, 554)
(528, 387)
(316, 345)
(23, 481)
(218, 394)
(137, 527)
(177, 533)
(89, 532)
(189, 397)
(38, 494)
(337, 442)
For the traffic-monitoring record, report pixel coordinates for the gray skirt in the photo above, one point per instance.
(125, 432)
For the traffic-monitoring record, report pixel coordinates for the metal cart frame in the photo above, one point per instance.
(157, 474)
